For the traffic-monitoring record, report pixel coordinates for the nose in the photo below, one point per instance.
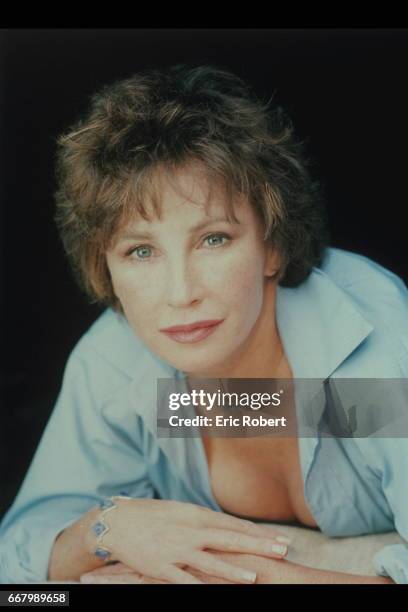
(182, 284)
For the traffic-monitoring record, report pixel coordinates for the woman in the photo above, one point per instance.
(185, 202)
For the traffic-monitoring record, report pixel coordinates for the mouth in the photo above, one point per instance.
(192, 333)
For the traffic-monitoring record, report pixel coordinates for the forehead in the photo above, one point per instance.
(189, 192)
(191, 186)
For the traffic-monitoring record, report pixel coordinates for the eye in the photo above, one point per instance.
(141, 250)
(218, 237)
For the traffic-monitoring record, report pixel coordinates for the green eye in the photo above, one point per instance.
(217, 237)
(143, 252)
(140, 250)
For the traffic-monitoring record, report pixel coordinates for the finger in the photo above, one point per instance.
(250, 528)
(231, 541)
(268, 532)
(128, 578)
(221, 520)
(148, 580)
(205, 562)
(207, 578)
(179, 576)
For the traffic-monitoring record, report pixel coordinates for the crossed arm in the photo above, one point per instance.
(269, 571)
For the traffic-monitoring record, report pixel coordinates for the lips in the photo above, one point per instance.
(190, 326)
(193, 332)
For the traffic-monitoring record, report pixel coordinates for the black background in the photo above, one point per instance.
(347, 93)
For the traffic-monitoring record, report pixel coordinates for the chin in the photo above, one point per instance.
(207, 368)
(196, 358)
(194, 366)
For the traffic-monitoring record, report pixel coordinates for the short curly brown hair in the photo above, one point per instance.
(105, 165)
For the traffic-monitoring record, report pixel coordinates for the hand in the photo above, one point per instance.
(269, 571)
(161, 538)
(119, 573)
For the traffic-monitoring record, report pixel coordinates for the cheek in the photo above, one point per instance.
(140, 314)
(137, 297)
(243, 281)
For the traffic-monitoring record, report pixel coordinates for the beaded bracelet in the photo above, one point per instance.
(100, 528)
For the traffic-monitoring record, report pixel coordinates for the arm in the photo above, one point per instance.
(71, 554)
(81, 458)
(269, 571)
(390, 456)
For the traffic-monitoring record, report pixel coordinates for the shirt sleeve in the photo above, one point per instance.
(389, 458)
(81, 457)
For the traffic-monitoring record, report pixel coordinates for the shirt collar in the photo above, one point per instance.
(319, 325)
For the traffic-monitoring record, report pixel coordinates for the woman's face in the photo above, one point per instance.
(171, 272)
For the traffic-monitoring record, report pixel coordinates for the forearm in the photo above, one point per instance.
(281, 571)
(72, 554)
(309, 575)
(268, 572)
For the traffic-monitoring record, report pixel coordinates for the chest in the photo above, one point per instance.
(258, 478)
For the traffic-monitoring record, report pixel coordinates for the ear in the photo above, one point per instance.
(272, 261)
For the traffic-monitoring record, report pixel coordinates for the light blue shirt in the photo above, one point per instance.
(349, 319)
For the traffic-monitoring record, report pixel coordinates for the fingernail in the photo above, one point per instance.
(279, 549)
(283, 539)
(248, 576)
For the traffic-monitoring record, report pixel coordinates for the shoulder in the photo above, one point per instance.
(357, 273)
(380, 296)
(111, 355)
(111, 337)
(377, 291)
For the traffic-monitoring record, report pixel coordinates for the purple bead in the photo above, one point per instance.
(106, 503)
(98, 528)
(103, 554)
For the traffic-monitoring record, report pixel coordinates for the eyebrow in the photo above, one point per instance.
(131, 235)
